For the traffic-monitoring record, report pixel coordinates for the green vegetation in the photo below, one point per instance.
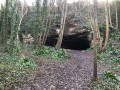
(52, 52)
(26, 62)
(14, 32)
(110, 54)
(14, 70)
(107, 81)
(118, 67)
(115, 36)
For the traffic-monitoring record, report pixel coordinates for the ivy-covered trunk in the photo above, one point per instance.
(4, 23)
(14, 39)
(41, 23)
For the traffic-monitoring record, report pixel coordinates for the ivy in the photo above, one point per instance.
(13, 47)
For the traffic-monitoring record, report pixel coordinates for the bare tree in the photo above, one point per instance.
(95, 29)
(107, 27)
(99, 43)
(110, 14)
(62, 26)
(116, 11)
(50, 16)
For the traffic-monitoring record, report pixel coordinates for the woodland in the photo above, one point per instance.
(60, 45)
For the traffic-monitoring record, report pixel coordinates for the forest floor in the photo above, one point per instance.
(72, 74)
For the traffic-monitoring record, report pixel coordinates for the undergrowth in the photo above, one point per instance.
(14, 70)
(110, 54)
(115, 36)
(107, 81)
(51, 52)
(26, 62)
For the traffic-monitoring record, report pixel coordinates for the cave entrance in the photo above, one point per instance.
(81, 44)
(76, 45)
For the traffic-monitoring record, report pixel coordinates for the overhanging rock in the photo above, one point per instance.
(78, 40)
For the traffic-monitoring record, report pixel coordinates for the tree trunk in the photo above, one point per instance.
(116, 21)
(63, 20)
(110, 15)
(95, 28)
(116, 16)
(59, 42)
(107, 29)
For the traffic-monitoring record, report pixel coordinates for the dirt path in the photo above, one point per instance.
(73, 74)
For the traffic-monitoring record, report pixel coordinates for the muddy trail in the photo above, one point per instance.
(73, 74)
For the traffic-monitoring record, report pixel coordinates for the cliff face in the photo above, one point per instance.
(74, 37)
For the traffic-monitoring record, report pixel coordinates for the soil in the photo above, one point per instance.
(73, 74)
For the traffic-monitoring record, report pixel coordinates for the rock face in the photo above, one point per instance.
(74, 37)
(78, 40)
(27, 39)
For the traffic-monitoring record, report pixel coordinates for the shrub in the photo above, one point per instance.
(14, 51)
(26, 62)
(114, 59)
(110, 75)
(107, 81)
(59, 54)
(110, 54)
(111, 50)
(52, 52)
(115, 36)
(44, 50)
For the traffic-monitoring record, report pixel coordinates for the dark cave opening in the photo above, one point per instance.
(81, 44)
(76, 45)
